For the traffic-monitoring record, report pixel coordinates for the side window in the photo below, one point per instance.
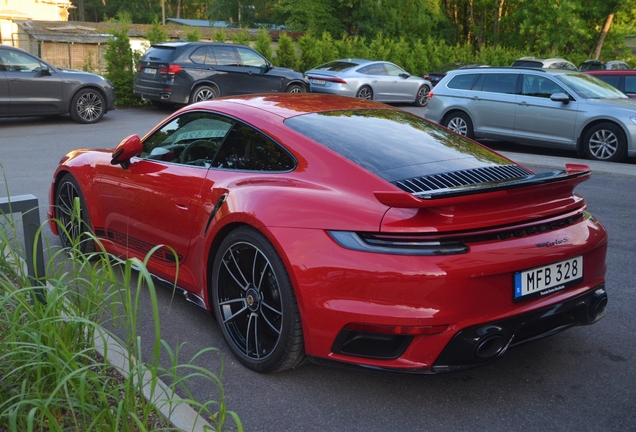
(18, 62)
(393, 70)
(193, 138)
(610, 79)
(540, 86)
(374, 69)
(225, 56)
(198, 56)
(246, 148)
(463, 82)
(500, 83)
(250, 58)
(630, 84)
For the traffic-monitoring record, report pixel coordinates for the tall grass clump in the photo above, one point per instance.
(52, 377)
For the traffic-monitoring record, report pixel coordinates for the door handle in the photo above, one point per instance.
(182, 203)
(16, 79)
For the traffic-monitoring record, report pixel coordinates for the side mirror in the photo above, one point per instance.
(560, 97)
(405, 75)
(126, 150)
(45, 70)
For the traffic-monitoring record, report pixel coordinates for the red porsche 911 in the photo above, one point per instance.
(327, 228)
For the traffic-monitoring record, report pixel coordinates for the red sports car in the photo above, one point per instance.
(338, 229)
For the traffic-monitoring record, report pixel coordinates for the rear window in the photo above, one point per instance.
(392, 144)
(336, 66)
(159, 54)
(527, 63)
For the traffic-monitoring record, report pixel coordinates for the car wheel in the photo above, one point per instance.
(421, 100)
(295, 88)
(87, 106)
(365, 92)
(73, 228)
(254, 303)
(605, 142)
(460, 123)
(203, 93)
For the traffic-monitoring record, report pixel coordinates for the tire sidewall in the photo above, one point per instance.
(417, 96)
(276, 359)
(74, 112)
(199, 88)
(621, 150)
(86, 245)
(462, 115)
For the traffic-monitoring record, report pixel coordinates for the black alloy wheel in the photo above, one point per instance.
(254, 303)
(74, 226)
(87, 106)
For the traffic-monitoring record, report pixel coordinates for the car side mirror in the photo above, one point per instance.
(560, 97)
(405, 75)
(45, 70)
(126, 150)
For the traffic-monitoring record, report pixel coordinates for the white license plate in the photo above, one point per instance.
(150, 71)
(548, 279)
(318, 82)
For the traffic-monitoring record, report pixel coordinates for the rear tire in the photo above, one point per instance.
(605, 142)
(459, 122)
(365, 92)
(87, 106)
(421, 100)
(296, 88)
(254, 303)
(203, 93)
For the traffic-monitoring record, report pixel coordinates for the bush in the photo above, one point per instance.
(263, 43)
(157, 33)
(120, 66)
(241, 37)
(52, 377)
(286, 52)
(219, 35)
(194, 35)
(310, 53)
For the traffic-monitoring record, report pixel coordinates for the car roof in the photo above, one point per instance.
(286, 105)
(612, 72)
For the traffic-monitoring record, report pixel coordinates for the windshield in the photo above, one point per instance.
(590, 87)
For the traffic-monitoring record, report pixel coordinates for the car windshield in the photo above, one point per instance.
(159, 53)
(590, 87)
(393, 144)
(336, 66)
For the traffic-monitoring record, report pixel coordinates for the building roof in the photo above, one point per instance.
(198, 23)
(91, 32)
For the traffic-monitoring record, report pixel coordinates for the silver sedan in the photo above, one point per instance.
(367, 79)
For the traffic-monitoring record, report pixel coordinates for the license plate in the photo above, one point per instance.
(318, 82)
(150, 71)
(549, 279)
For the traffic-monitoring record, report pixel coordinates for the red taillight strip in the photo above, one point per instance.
(170, 70)
(397, 330)
(336, 80)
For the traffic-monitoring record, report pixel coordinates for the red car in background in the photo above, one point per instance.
(326, 228)
(623, 80)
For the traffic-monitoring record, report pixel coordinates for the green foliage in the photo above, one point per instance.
(263, 43)
(120, 66)
(54, 376)
(241, 37)
(90, 65)
(219, 35)
(193, 35)
(310, 53)
(157, 33)
(286, 52)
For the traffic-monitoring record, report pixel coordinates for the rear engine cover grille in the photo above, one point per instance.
(468, 177)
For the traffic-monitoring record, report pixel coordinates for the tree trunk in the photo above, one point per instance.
(601, 38)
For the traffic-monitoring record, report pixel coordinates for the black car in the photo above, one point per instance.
(30, 86)
(188, 72)
(435, 76)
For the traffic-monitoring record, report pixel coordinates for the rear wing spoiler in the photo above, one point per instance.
(573, 173)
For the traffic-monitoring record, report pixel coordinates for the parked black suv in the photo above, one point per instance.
(188, 72)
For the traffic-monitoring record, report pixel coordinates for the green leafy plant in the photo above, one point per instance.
(53, 378)
(263, 43)
(286, 55)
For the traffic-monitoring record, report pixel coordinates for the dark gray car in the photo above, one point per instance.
(543, 107)
(188, 72)
(30, 86)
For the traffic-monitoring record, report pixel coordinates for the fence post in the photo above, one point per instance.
(28, 206)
